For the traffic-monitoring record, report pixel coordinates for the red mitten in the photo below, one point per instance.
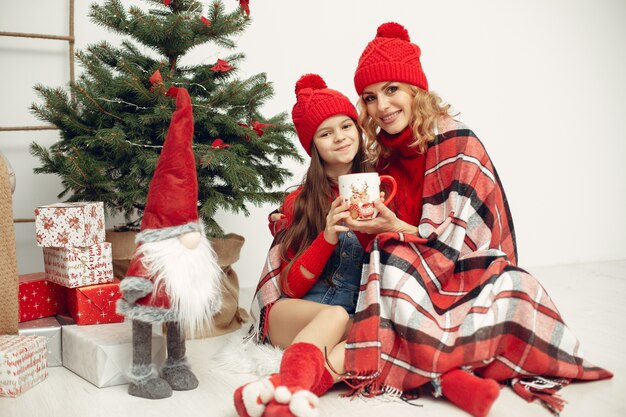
(469, 392)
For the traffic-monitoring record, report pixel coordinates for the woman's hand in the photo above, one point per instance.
(276, 216)
(386, 221)
(334, 221)
(277, 221)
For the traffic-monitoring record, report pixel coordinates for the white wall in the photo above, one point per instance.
(541, 82)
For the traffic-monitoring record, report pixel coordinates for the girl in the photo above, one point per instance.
(449, 294)
(310, 285)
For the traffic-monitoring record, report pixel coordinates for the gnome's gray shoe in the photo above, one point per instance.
(180, 377)
(153, 389)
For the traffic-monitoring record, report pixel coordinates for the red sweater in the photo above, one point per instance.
(313, 259)
(407, 166)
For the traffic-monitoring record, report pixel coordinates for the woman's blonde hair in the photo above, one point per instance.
(426, 108)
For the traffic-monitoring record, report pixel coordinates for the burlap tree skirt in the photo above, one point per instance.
(8, 263)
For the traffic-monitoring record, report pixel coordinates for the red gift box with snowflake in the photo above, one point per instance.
(70, 224)
(39, 298)
(94, 304)
(77, 267)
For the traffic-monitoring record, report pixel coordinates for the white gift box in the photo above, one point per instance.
(79, 266)
(102, 353)
(22, 363)
(70, 224)
(51, 329)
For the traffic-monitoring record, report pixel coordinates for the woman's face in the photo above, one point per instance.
(388, 103)
(337, 141)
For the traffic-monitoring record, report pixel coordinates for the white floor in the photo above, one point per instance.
(591, 298)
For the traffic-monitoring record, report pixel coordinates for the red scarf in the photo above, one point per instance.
(406, 165)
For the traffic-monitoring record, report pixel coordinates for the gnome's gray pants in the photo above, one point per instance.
(176, 369)
(144, 379)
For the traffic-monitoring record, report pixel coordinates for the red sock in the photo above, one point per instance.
(469, 392)
(301, 369)
(302, 366)
(325, 383)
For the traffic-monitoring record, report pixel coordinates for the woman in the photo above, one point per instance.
(449, 294)
(309, 290)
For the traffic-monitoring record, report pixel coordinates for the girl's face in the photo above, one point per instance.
(388, 103)
(337, 141)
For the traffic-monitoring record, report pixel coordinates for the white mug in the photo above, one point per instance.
(361, 190)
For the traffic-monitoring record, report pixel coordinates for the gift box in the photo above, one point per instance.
(39, 298)
(77, 266)
(70, 224)
(65, 319)
(94, 304)
(50, 328)
(102, 354)
(22, 363)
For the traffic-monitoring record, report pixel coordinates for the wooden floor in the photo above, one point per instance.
(591, 298)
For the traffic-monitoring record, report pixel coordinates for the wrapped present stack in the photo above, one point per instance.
(73, 302)
(77, 257)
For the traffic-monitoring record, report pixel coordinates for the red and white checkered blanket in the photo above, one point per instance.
(456, 298)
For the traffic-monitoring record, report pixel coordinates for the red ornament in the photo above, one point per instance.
(172, 92)
(258, 127)
(245, 5)
(167, 2)
(156, 80)
(221, 66)
(219, 144)
(205, 21)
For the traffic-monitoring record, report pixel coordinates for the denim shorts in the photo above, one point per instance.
(344, 271)
(339, 294)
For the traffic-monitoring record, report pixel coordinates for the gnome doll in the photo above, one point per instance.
(173, 277)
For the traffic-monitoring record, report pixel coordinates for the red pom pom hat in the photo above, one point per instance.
(172, 203)
(316, 103)
(390, 57)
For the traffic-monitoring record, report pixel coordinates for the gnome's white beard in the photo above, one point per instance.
(191, 278)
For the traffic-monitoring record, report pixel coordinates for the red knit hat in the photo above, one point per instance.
(172, 203)
(316, 103)
(390, 57)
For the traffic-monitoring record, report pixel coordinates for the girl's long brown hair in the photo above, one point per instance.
(426, 108)
(311, 207)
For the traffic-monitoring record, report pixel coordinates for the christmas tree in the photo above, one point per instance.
(114, 119)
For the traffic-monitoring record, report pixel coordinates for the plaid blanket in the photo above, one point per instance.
(266, 294)
(455, 297)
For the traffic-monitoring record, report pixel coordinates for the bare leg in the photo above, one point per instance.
(295, 320)
(336, 358)
(307, 329)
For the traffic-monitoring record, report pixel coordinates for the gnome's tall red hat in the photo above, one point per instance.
(172, 204)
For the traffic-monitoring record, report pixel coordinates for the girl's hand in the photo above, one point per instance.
(335, 221)
(386, 221)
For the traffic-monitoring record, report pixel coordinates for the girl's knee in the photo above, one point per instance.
(335, 315)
